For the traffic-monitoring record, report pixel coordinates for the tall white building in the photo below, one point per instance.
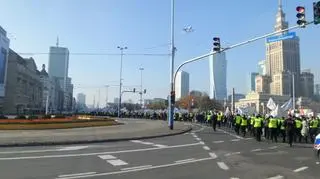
(81, 98)
(182, 84)
(218, 76)
(262, 69)
(4, 51)
(59, 67)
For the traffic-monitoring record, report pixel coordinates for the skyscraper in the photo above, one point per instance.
(262, 70)
(81, 98)
(58, 67)
(182, 84)
(4, 51)
(253, 80)
(218, 76)
(283, 59)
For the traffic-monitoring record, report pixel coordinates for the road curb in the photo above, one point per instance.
(29, 144)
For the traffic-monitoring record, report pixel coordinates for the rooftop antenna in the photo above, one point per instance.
(57, 41)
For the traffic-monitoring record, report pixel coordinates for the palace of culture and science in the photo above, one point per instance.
(281, 68)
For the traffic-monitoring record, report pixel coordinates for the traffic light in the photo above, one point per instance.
(216, 44)
(134, 90)
(301, 15)
(173, 97)
(144, 91)
(316, 12)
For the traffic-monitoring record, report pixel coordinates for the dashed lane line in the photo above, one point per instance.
(233, 135)
(276, 177)
(223, 166)
(218, 142)
(101, 153)
(197, 138)
(206, 148)
(106, 157)
(256, 150)
(77, 174)
(137, 167)
(117, 162)
(213, 155)
(160, 145)
(300, 169)
(185, 160)
(233, 153)
(235, 140)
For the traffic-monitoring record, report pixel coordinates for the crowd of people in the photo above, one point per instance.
(293, 128)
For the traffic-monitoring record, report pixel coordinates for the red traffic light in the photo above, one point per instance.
(300, 9)
(216, 39)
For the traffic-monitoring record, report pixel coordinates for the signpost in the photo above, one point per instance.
(289, 35)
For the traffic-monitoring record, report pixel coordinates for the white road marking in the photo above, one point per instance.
(218, 142)
(183, 161)
(139, 169)
(142, 142)
(197, 138)
(276, 177)
(274, 147)
(77, 174)
(106, 157)
(147, 143)
(233, 135)
(233, 153)
(206, 148)
(235, 140)
(213, 155)
(117, 162)
(160, 145)
(101, 153)
(223, 166)
(72, 148)
(317, 163)
(256, 150)
(234, 178)
(300, 169)
(249, 138)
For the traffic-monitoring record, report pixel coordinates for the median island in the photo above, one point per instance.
(54, 122)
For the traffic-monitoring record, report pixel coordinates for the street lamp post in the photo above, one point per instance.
(141, 69)
(120, 87)
(107, 89)
(170, 101)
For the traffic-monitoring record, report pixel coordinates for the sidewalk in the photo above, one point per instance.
(133, 129)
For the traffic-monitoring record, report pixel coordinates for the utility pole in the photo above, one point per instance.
(232, 102)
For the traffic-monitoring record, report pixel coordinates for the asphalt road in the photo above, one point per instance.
(201, 153)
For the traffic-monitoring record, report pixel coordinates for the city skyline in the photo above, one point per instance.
(104, 68)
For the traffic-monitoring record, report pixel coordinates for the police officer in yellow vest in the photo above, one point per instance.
(298, 130)
(257, 126)
(282, 129)
(219, 119)
(237, 124)
(273, 125)
(244, 125)
(314, 124)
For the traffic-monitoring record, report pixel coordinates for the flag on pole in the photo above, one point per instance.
(271, 104)
(287, 105)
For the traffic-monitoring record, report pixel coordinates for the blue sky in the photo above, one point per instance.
(99, 26)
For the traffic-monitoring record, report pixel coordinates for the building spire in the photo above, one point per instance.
(280, 4)
(57, 41)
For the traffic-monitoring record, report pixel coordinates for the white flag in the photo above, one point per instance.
(276, 112)
(271, 104)
(287, 105)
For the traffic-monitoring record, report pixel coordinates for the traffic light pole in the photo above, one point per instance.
(171, 102)
(236, 45)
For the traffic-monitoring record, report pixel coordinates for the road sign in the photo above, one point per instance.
(276, 38)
